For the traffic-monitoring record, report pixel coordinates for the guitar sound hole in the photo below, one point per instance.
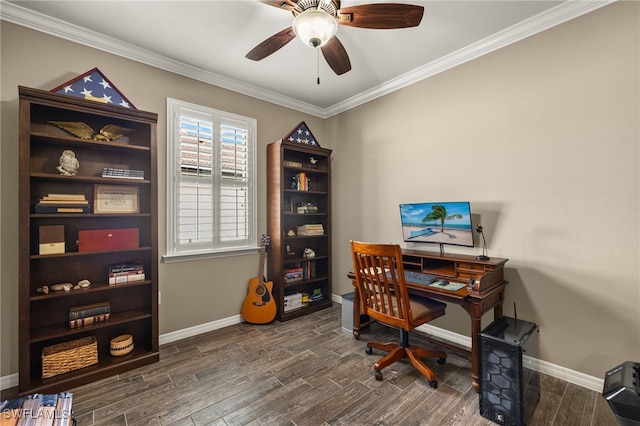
(260, 290)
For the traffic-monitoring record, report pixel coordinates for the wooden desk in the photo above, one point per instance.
(484, 291)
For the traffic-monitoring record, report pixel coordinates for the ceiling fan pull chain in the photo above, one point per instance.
(318, 62)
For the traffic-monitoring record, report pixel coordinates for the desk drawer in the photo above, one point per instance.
(470, 266)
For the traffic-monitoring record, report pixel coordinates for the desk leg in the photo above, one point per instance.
(356, 313)
(497, 311)
(475, 353)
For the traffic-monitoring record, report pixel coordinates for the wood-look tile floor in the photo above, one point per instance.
(307, 371)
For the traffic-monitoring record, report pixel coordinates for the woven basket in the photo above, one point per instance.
(121, 345)
(69, 356)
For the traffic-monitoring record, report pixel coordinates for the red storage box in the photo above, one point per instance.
(108, 239)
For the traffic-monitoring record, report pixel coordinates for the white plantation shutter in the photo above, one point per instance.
(211, 179)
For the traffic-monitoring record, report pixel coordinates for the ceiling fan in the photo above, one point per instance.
(316, 21)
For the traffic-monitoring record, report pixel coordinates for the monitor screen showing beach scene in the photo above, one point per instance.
(444, 223)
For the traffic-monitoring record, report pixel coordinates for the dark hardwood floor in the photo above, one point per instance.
(307, 371)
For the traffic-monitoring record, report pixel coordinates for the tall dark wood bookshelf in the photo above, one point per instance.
(44, 318)
(291, 204)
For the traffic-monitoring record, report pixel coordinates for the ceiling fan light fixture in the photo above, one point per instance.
(315, 27)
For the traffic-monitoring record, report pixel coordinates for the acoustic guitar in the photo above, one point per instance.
(259, 307)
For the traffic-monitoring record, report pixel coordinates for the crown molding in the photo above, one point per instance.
(564, 12)
(13, 13)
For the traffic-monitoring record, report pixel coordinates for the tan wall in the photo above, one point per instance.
(542, 138)
(193, 293)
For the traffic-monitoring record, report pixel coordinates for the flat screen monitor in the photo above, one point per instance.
(440, 223)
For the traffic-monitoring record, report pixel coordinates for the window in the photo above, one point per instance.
(211, 182)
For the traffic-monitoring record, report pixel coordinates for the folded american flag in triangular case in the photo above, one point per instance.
(95, 86)
(302, 134)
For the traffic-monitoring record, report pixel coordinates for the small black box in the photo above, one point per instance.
(508, 395)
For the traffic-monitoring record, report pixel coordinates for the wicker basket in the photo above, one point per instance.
(69, 356)
(121, 345)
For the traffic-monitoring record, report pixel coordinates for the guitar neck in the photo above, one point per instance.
(261, 269)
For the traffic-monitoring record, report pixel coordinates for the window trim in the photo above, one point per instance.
(174, 106)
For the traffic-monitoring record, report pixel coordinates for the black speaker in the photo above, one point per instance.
(508, 393)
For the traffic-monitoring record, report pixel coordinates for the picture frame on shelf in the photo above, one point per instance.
(108, 199)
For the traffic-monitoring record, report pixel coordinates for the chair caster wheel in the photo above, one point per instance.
(368, 350)
(441, 360)
(378, 375)
(433, 384)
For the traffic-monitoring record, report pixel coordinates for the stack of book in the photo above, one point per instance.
(122, 273)
(63, 203)
(301, 182)
(306, 208)
(290, 163)
(38, 409)
(309, 270)
(111, 172)
(293, 274)
(310, 229)
(80, 316)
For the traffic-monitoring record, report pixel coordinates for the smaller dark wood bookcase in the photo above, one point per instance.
(44, 318)
(299, 223)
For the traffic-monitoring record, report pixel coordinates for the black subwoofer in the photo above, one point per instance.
(509, 393)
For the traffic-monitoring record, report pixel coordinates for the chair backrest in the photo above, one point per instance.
(381, 286)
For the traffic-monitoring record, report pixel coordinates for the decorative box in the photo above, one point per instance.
(108, 239)
(292, 301)
(51, 239)
(69, 356)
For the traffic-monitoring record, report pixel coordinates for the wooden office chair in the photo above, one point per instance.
(383, 296)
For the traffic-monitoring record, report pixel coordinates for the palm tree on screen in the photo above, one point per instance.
(439, 212)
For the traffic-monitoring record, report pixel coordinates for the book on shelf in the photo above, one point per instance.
(90, 320)
(301, 182)
(64, 197)
(304, 208)
(290, 163)
(293, 274)
(311, 229)
(49, 208)
(112, 172)
(81, 316)
(90, 310)
(62, 203)
(309, 269)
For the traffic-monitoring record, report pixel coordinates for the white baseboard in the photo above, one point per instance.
(199, 329)
(9, 381)
(544, 367)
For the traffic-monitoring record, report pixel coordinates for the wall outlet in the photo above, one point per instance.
(159, 298)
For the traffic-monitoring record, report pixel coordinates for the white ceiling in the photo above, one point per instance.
(208, 40)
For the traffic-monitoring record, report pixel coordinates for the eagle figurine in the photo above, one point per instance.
(108, 133)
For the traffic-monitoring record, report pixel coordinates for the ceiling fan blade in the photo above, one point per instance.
(381, 16)
(271, 44)
(281, 4)
(336, 56)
